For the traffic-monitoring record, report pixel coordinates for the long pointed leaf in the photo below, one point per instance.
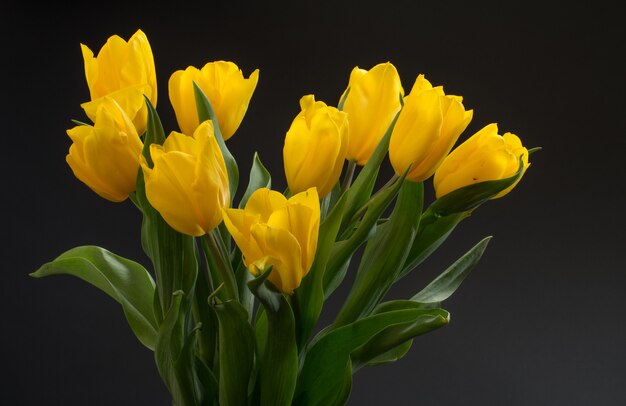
(206, 112)
(384, 255)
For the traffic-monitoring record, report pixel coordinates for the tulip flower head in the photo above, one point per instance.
(275, 231)
(372, 102)
(105, 156)
(188, 184)
(482, 157)
(125, 72)
(315, 147)
(427, 128)
(225, 87)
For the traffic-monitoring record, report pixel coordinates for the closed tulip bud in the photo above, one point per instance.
(225, 87)
(372, 102)
(275, 231)
(484, 156)
(315, 147)
(188, 184)
(428, 126)
(125, 72)
(105, 156)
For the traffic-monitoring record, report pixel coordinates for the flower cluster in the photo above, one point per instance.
(235, 291)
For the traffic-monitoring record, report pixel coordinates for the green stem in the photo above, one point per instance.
(224, 267)
(347, 180)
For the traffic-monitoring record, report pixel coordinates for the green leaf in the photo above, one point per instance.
(310, 294)
(204, 314)
(361, 190)
(394, 341)
(392, 355)
(236, 353)
(206, 112)
(174, 357)
(322, 378)
(384, 255)
(447, 283)
(470, 197)
(125, 281)
(154, 132)
(429, 237)
(259, 178)
(342, 251)
(265, 292)
(278, 368)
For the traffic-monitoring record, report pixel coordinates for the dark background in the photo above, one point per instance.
(539, 322)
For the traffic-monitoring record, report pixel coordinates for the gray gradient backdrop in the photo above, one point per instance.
(539, 322)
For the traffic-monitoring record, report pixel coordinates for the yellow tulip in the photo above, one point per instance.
(428, 126)
(106, 156)
(372, 102)
(275, 231)
(188, 184)
(315, 147)
(484, 156)
(225, 87)
(125, 72)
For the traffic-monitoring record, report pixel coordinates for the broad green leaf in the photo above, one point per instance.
(361, 190)
(342, 251)
(391, 343)
(259, 178)
(322, 377)
(469, 197)
(206, 112)
(125, 281)
(384, 255)
(278, 367)
(447, 283)
(429, 237)
(392, 355)
(310, 294)
(236, 353)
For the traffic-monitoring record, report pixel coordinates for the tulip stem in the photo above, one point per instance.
(347, 180)
(224, 267)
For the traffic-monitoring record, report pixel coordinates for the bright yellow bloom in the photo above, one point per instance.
(273, 231)
(125, 72)
(188, 184)
(484, 156)
(315, 147)
(106, 156)
(372, 103)
(428, 126)
(225, 87)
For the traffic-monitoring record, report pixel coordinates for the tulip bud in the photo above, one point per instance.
(273, 231)
(225, 87)
(188, 184)
(428, 126)
(315, 147)
(105, 156)
(372, 103)
(484, 156)
(125, 72)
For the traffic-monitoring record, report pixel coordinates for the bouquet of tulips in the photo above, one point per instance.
(235, 289)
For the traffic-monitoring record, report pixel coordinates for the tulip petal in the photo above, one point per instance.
(263, 202)
(282, 252)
